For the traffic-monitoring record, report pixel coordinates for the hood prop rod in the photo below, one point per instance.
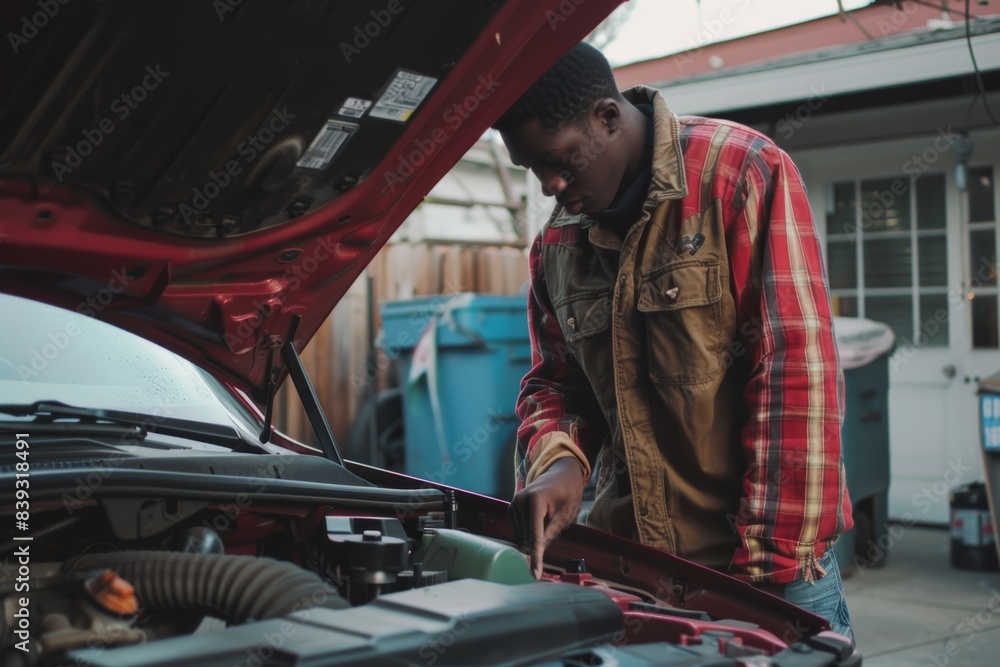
(272, 381)
(307, 394)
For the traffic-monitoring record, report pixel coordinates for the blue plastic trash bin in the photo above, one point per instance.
(464, 438)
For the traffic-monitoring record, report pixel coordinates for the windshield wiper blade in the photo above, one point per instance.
(131, 431)
(50, 410)
(216, 434)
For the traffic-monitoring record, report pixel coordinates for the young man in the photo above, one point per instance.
(682, 339)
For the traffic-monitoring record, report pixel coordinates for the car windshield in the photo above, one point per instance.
(50, 354)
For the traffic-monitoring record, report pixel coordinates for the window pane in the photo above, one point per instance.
(933, 266)
(888, 263)
(842, 264)
(896, 311)
(981, 194)
(930, 202)
(933, 328)
(842, 209)
(885, 205)
(984, 321)
(845, 306)
(983, 257)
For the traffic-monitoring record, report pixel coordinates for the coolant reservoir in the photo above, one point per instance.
(467, 556)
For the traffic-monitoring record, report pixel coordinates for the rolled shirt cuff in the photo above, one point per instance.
(550, 448)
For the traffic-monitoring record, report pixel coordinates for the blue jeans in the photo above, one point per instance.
(825, 597)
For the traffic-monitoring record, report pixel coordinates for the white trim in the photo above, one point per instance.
(836, 76)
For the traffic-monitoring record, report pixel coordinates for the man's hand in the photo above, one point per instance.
(548, 506)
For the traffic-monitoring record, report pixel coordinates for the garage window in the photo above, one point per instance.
(887, 254)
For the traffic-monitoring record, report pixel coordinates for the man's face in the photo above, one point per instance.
(580, 165)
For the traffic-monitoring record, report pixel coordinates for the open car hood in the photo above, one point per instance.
(199, 172)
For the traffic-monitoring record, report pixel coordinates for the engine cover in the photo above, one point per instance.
(457, 623)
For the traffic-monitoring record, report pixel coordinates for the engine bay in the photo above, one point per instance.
(252, 560)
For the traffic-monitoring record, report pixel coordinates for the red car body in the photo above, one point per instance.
(162, 171)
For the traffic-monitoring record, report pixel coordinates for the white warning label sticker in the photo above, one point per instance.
(326, 145)
(405, 93)
(354, 107)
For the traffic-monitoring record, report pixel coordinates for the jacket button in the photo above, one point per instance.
(673, 293)
(643, 511)
(571, 323)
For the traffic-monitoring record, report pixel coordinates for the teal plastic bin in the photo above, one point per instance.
(459, 414)
(865, 347)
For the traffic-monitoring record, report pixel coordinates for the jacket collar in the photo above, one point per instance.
(668, 181)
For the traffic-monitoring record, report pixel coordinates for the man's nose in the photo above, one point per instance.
(553, 182)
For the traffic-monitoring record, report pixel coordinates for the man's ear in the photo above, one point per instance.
(608, 114)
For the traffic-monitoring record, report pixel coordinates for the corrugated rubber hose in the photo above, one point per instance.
(233, 588)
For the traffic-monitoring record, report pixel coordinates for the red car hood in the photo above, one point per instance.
(200, 172)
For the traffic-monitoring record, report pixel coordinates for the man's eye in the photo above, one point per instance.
(563, 166)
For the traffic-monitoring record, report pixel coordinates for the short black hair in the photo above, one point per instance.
(565, 93)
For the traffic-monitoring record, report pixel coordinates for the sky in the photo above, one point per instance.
(659, 27)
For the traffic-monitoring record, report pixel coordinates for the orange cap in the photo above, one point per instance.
(113, 593)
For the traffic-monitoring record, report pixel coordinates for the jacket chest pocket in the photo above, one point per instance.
(682, 308)
(585, 320)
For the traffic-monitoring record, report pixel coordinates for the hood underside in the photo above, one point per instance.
(200, 172)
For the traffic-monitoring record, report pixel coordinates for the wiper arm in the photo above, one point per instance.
(47, 411)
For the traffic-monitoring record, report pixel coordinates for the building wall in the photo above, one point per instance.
(934, 439)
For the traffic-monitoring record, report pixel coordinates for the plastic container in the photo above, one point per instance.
(864, 347)
(973, 543)
(459, 415)
(989, 415)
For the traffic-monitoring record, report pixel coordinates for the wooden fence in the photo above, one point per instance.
(337, 359)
